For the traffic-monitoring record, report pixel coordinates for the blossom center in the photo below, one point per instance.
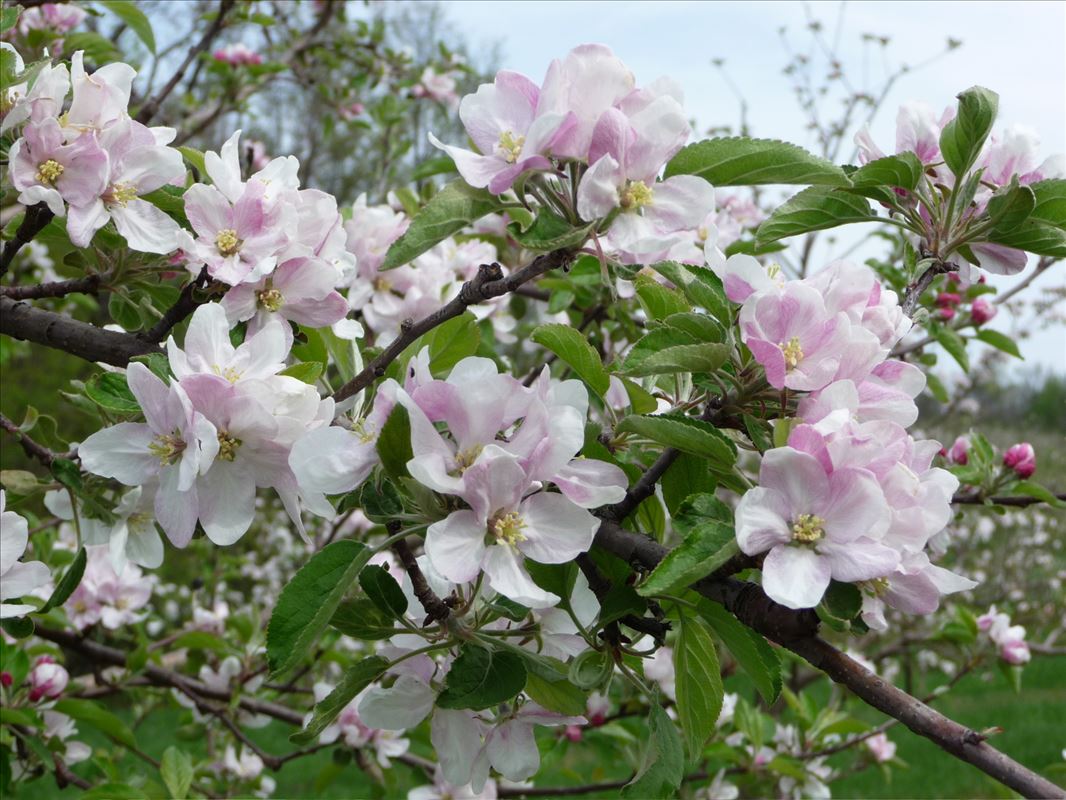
(636, 195)
(141, 522)
(167, 447)
(382, 285)
(876, 586)
(231, 374)
(122, 193)
(464, 459)
(270, 299)
(227, 242)
(792, 352)
(227, 446)
(49, 171)
(510, 146)
(364, 430)
(507, 528)
(807, 529)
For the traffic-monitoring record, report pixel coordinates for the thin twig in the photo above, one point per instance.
(37, 217)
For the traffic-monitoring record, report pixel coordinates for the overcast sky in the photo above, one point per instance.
(1017, 49)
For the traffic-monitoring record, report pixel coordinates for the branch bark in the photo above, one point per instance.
(37, 217)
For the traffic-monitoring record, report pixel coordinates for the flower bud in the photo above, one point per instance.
(946, 313)
(982, 311)
(958, 454)
(6, 679)
(1015, 651)
(948, 299)
(573, 733)
(1021, 458)
(47, 679)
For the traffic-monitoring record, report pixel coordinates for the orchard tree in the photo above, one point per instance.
(483, 487)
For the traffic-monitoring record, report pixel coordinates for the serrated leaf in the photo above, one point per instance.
(356, 678)
(448, 212)
(570, 345)
(549, 232)
(362, 619)
(659, 301)
(175, 767)
(1033, 489)
(109, 390)
(663, 765)
(308, 601)
(9, 15)
(701, 327)
(560, 696)
(655, 341)
(814, 209)
(1050, 202)
(963, 137)
(754, 654)
(683, 433)
(1000, 341)
(92, 713)
(67, 584)
(480, 678)
(1033, 237)
(701, 286)
(699, 683)
(127, 11)
(195, 158)
(305, 371)
(706, 547)
(902, 171)
(842, 601)
(1010, 206)
(383, 590)
(955, 345)
(740, 161)
(704, 357)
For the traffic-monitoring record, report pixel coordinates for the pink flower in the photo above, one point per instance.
(17, 578)
(59, 17)
(45, 170)
(43, 101)
(208, 349)
(1010, 639)
(917, 130)
(881, 747)
(100, 99)
(743, 276)
(439, 87)
(915, 587)
(511, 136)
(982, 311)
(237, 54)
(1021, 458)
(107, 597)
(958, 454)
(815, 527)
(47, 679)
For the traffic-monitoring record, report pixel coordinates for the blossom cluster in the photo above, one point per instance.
(1008, 639)
(852, 497)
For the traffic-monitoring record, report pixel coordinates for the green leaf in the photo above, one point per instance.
(1010, 206)
(591, 669)
(663, 766)
(571, 346)
(451, 209)
(176, 769)
(306, 371)
(955, 345)
(655, 341)
(740, 161)
(683, 433)
(902, 171)
(195, 158)
(754, 654)
(448, 343)
(362, 619)
(92, 713)
(705, 357)
(701, 327)
(707, 547)
(383, 590)
(109, 390)
(433, 166)
(98, 49)
(549, 232)
(9, 16)
(394, 443)
(659, 301)
(356, 678)
(560, 695)
(814, 209)
(699, 683)
(18, 627)
(1033, 237)
(962, 138)
(700, 508)
(1033, 489)
(67, 473)
(842, 601)
(480, 678)
(127, 11)
(701, 286)
(1000, 341)
(621, 600)
(1050, 202)
(67, 584)
(308, 601)
(759, 432)
(936, 388)
(15, 716)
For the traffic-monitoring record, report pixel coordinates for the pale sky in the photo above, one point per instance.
(1016, 48)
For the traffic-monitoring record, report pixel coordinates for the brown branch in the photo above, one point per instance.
(436, 609)
(151, 108)
(797, 631)
(87, 285)
(1018, 501)
(22, 321)
(600, 586)
(913, 293)
(185, 305)
(488, 283)
(32, 448)
(35, 220)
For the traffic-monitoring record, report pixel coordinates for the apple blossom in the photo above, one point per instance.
(355, 733)
(62, 727)
(958, 453)
(17, 578)
(58, 17)
(42, 101)
(105, 596)
(237, 54)
(98, 100)
(46, 170)
(47, 679)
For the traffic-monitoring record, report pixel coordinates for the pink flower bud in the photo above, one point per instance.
(948, 299)
(958, 452)
(6, 679)
(1021, 458)
(982, 311)
(47, 679)
(1015, 651)
(573, 733)
(953, 277)
(946, 313)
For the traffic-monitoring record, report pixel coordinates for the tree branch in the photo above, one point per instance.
(186, 303)
(1018, 501)
(32, 448)
(35, 220)
(22, 321)
(87, 285)
(488, 283)
(436, 609)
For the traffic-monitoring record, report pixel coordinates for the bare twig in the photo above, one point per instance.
(87, 285)
(186, 303)
(33, 449)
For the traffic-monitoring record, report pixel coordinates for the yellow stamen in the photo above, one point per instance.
(364, 430)
(122, 193)
(507, 528)
(637, 195)
(227, 446)
(270, 299)
(227, 242)
(382, 285)
(231, 374)
(167, 448)
(510, 146)
(464, 459)
(807, 528)
(792, 351)
(49, 171)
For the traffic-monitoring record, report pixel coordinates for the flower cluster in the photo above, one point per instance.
(1009, 639)
(221, 427)
(93, 163)
(108, 597)
(237, 54)
(852, 497)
